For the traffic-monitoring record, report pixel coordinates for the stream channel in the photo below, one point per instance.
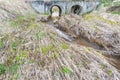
(114, 60)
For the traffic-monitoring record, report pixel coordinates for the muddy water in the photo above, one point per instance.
(83, 42)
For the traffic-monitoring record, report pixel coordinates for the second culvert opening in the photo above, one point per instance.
(76, 9)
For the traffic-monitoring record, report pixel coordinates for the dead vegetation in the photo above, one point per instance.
(31, 50)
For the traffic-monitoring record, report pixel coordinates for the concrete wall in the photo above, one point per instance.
(44, 7)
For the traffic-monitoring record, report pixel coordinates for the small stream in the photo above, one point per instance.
(114, 60)
(83, 42)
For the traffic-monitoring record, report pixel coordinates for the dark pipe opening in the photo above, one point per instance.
(76, 9)
(58, 9)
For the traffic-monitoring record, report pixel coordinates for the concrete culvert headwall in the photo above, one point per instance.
(65, 7)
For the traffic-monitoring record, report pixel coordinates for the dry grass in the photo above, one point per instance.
(32, 50)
